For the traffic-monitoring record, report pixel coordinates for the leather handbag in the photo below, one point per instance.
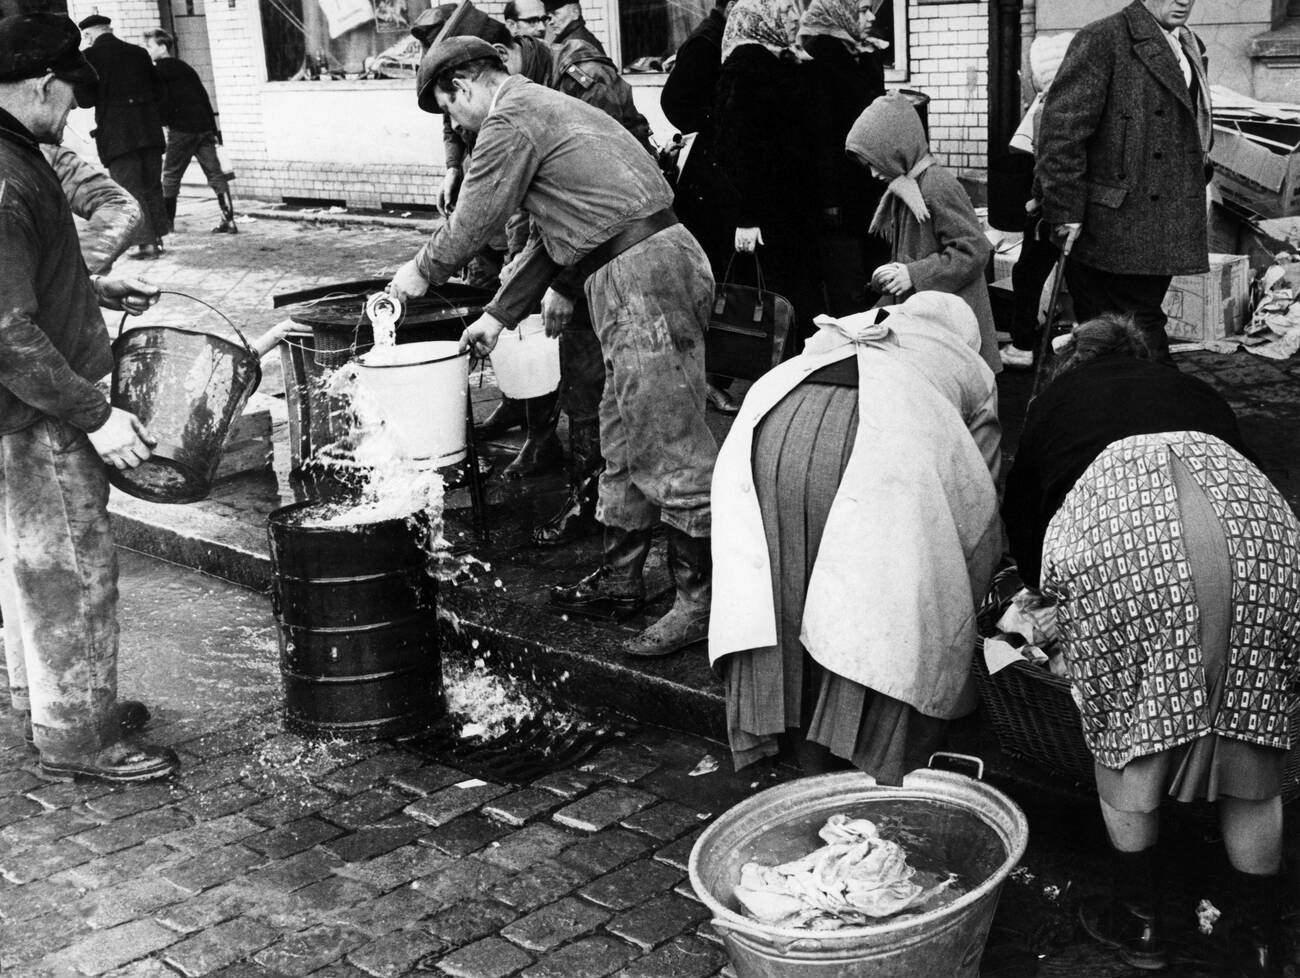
(747, 330)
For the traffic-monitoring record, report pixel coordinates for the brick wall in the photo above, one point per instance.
(131, 18)
(950, 62)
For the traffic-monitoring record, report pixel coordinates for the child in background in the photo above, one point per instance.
(925, 215)
(1037, 252)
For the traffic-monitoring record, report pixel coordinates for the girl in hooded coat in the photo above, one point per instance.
(925, 215)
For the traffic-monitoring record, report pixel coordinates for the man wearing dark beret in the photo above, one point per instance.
(602, 220)
(128, 123)
(565, 22)
(58, 567)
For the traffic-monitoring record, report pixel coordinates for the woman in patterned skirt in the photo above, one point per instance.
(1176, 566)
(854, 520)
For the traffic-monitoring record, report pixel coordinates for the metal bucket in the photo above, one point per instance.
(356, 610)
(971, 828)
(188, 388)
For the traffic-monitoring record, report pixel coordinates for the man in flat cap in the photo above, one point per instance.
(58, 567)
(565, 22)
(602, 215)
(128, 123)
(577, 69)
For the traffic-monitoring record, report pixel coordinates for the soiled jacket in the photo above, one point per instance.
(913, 533)
(53, 345)
(126, 99)
(1119, 150)
(111, 214)
(580, 175)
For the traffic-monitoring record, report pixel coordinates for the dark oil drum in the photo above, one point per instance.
(356, 609)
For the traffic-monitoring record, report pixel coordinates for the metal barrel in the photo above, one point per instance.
(356, 610)
(188, 388)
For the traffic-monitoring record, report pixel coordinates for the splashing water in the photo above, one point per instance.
(485, 705)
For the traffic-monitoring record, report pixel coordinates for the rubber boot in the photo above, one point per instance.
(1128, 918)
(506, 415)
(687, 622)
(1254, 925)
(227, 225)
(169, 203)
(541, 452)
(616, 589)
(576, 518)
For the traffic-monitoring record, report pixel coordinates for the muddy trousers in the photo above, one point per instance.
(649, 307)
(58, 587)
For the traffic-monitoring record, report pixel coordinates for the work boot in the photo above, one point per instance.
(122, 762)
(576, 518)
(541, 452)
(169, 203)
(721, 400)
(616, 589)
(148, 251)
(687, 622)
(505, 416)
(1254, 932)
(227, 225)
(1128, 918)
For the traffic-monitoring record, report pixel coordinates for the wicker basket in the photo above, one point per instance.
(1035, 719)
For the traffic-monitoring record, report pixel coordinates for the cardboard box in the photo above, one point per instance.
(1212, 305)
(1262, 173)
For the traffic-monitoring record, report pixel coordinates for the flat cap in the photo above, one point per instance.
(554, 5)
(444, 56)
(430, 23)
(460, 20)
(94, 20)
(32, 45)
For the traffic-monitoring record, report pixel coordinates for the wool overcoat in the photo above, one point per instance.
(128, 114)
(1120, 152)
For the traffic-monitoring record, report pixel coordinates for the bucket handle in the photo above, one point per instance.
(808, 944)
(960, 759)
(193, 298)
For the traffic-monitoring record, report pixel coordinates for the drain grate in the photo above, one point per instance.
(528, 750)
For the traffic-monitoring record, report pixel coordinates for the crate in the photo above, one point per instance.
(1210, 305)
(1034, 717)
(1261, 174)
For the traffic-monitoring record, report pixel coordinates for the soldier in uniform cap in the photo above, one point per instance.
(564, 22)
(58, 566)
(602, 215)
(128, 123)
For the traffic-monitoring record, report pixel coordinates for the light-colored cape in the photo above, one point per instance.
(913, 533)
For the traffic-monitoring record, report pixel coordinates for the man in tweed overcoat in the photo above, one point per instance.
(1123, 161)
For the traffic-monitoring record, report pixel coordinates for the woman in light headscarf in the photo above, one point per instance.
(843, 605)
(766, 156)
(848, 74)
(925, 215)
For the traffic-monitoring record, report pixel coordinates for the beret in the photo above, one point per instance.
(444, 56)
(32, 45)
(94, 20)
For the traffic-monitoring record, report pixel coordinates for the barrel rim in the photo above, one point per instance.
(925, 784)
(278, 519)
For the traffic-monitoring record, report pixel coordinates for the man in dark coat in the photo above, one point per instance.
(1122, 169)
(566, 24)
(128, 123)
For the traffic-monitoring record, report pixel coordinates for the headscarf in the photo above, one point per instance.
(889, 136)
(760, 22)
(832, 18)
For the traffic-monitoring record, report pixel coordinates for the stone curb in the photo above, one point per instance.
(414, 223)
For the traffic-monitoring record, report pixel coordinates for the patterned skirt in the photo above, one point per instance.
(779, 693)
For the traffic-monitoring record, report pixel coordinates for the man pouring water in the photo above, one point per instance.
(602, 208)
(58, 568)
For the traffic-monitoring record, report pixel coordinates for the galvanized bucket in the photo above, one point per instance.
(981, 835)
(187, 387)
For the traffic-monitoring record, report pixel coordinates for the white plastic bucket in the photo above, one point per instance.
(526, 360)
(420, 387)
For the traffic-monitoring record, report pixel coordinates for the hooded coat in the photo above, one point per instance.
(946, 251)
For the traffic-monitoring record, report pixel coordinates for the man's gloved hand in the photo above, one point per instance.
(1067, 234)
(748, 239)
(129, 295)
(449, 189)
(557, 312)
(408, 282)
(122, 440)
(480, 336)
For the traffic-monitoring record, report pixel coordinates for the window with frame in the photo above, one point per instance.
(323, 40)
(649, 32)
